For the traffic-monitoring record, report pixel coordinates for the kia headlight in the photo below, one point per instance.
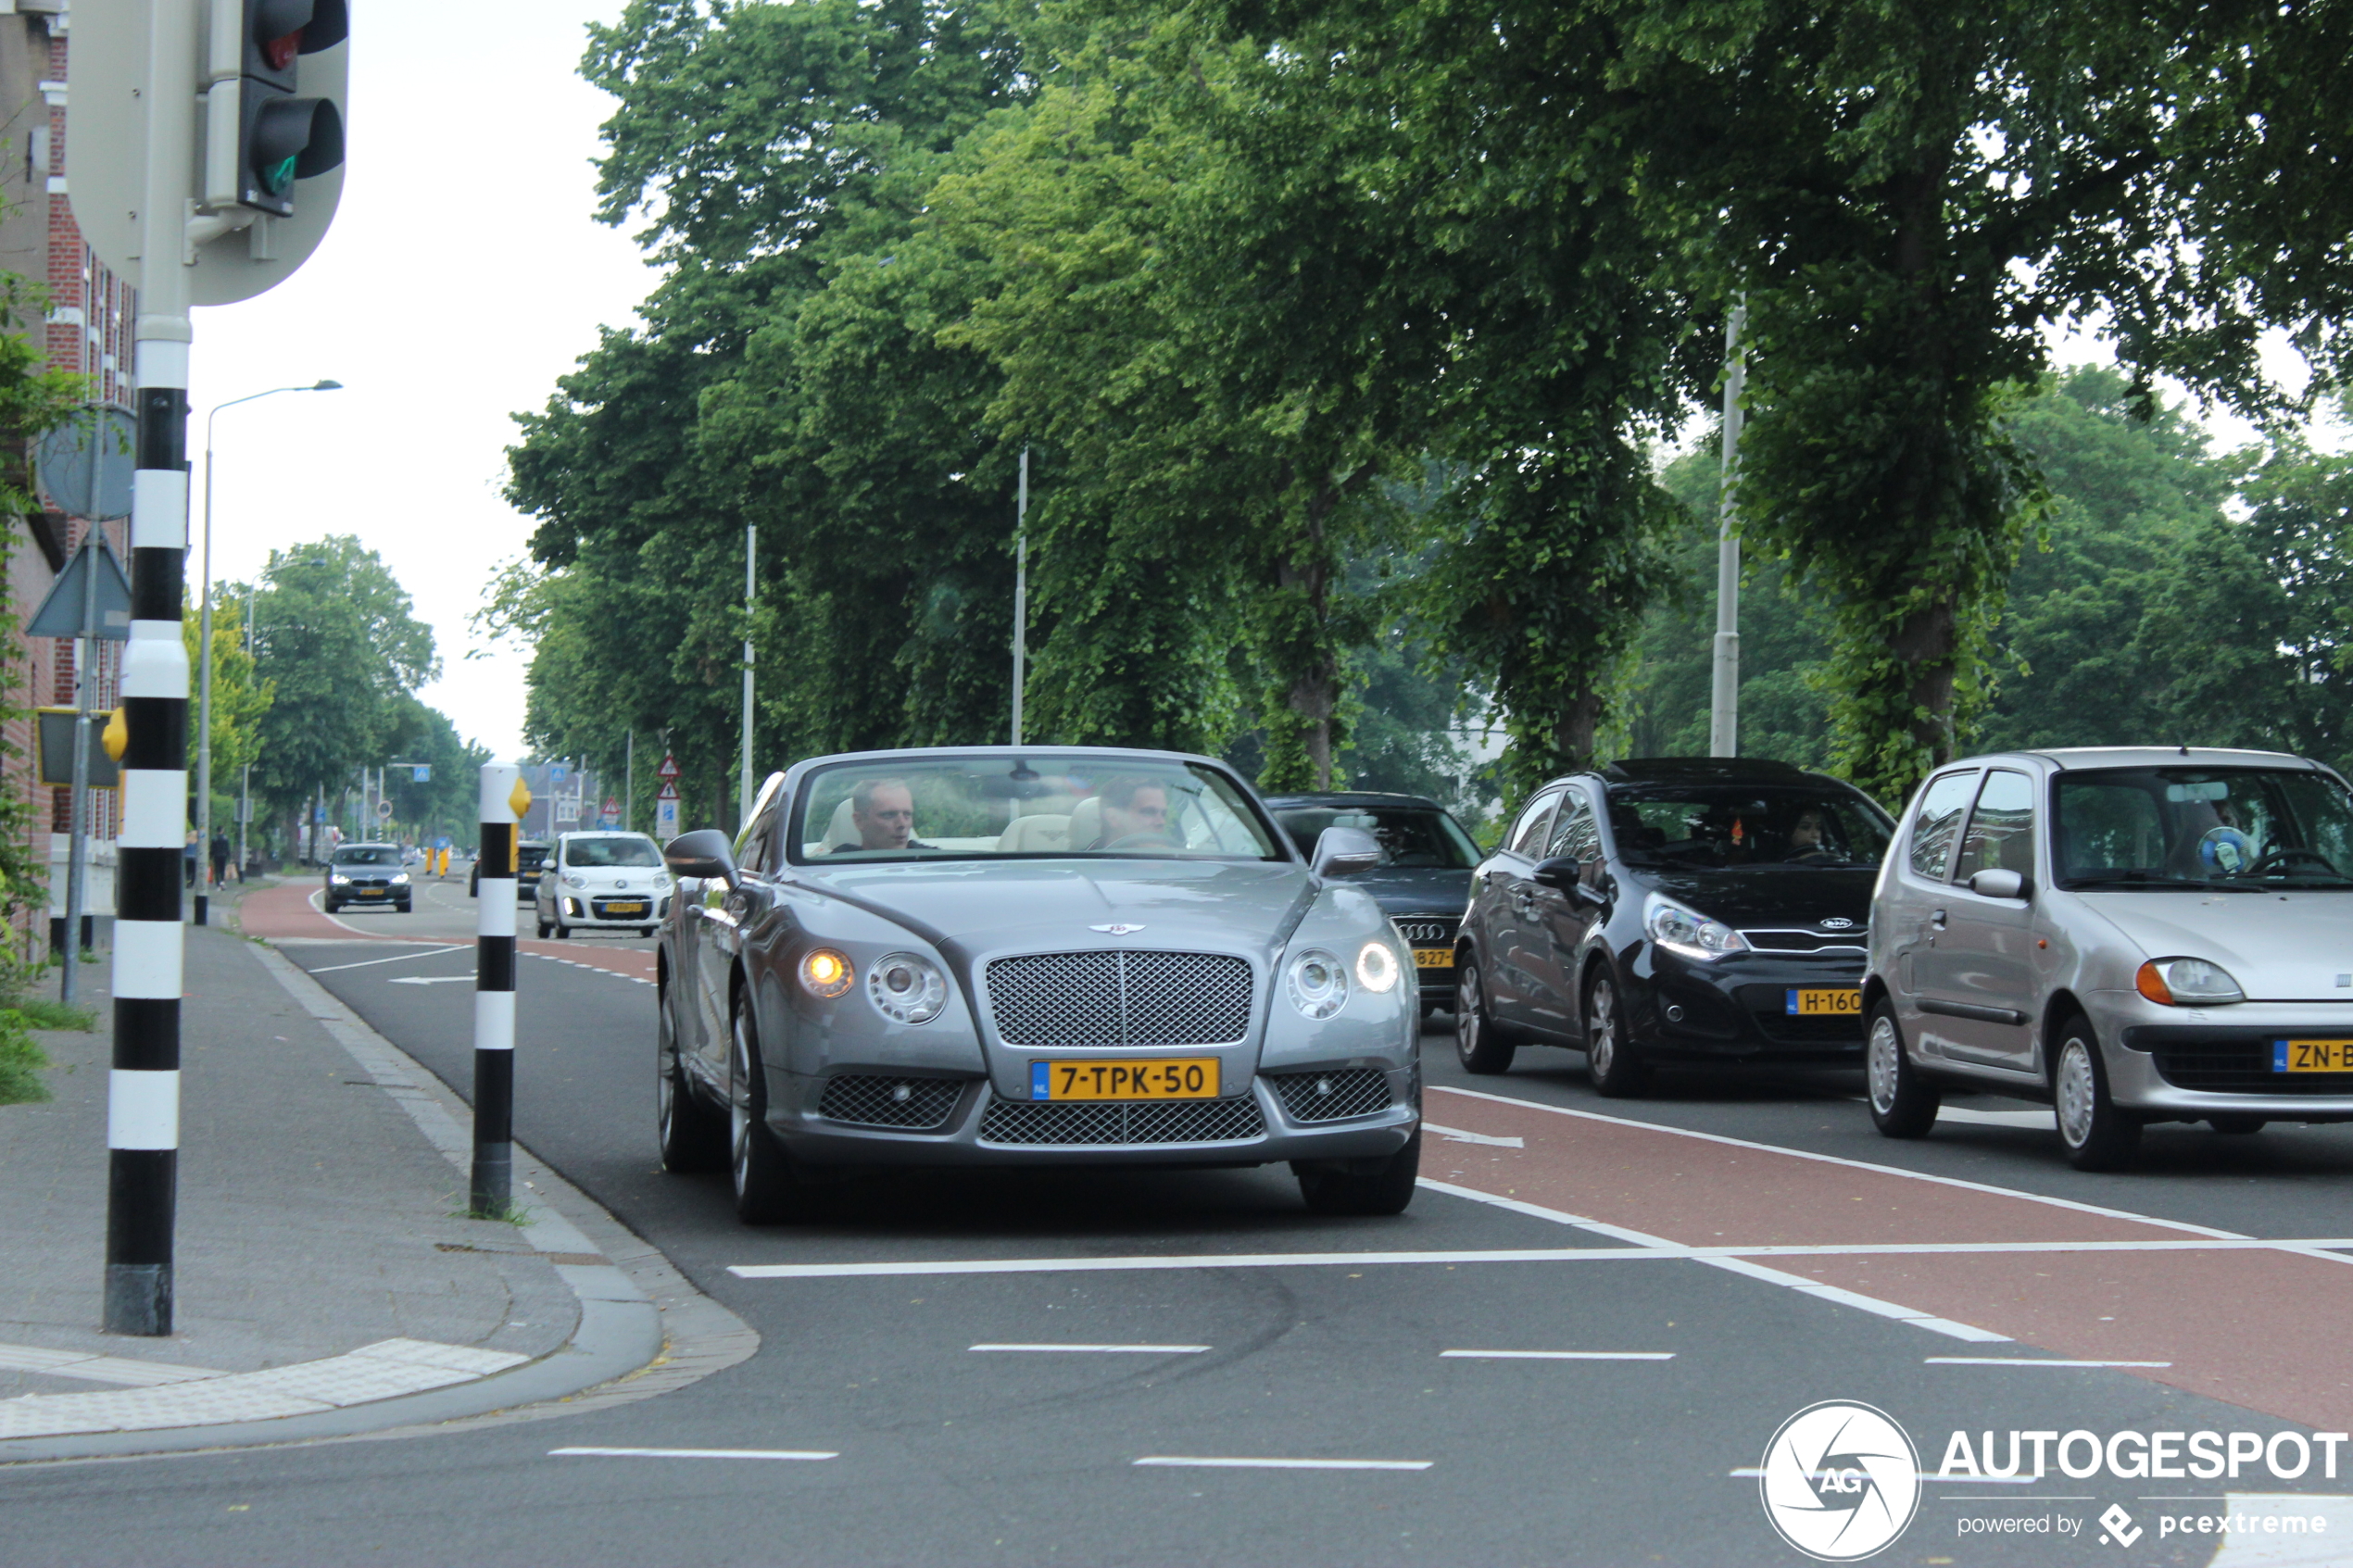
(1688, 932)
(2187, 983)
(907, 987)
(1317, 983)
(1376, 967)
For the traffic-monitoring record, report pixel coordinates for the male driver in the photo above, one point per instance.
(1134, 809)
(883, 813)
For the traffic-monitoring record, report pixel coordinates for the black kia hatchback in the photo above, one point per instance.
(1679, 910)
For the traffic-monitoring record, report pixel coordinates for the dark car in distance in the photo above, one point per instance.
(1685, 911)
(1423, 881)
(531, 859)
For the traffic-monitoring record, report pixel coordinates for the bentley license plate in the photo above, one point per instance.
(1186, 1078)
(1824, 1001)
(620, 907)
(1433, 957)
(2312, 1055)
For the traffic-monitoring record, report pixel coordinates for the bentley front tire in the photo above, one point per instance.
(757, 1162)
(693, 1137)
(1361, 1188)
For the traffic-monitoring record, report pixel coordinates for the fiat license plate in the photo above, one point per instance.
(1181, 1078)
(1825, 1002)
(2312, 1055)
(624, 906)
(1433, 957)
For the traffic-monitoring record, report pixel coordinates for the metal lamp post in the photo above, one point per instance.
(204, 656)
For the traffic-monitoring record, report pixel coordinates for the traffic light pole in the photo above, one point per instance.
(143, 1091)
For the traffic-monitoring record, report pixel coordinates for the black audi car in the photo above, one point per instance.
(1690, 911)
(531, 859)
(1423, 881)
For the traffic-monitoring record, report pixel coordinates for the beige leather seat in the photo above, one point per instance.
(1035, 836)
(1087, 821)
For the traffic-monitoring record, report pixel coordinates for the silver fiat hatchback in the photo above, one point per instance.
(2133, 934)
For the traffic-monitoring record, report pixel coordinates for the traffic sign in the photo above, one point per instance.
(612, 816)
(384, 811)
(669, 769)
(64, 462)
(60, 613)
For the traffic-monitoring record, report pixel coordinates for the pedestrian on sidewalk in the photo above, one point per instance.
(188, 859)
(221, 853)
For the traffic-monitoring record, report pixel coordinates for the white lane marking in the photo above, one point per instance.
(2025, 1361)
(1183, 1461)
(695, 1453)
(1731, 1262)
(1457, 1135)
(429, 980)
(397, 958)
(1850, 1164)
(1104, 1349)
(2315, 1540)
(319, 893)
(1204, 1261)
(636, 979)
(2038, 1120)
(1557, 1355)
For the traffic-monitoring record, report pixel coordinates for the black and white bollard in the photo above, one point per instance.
(142, 1092)
(504, 800)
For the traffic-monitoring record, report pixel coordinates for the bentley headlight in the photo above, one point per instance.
(1318, 983)
(1687, 932)
(2187, 983)
(906, 987)
(1376, 967)
(824, 973)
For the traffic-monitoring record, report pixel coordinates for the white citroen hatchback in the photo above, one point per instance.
(603, 881)
(2133, 935)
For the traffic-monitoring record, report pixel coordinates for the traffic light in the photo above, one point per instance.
(261, 137)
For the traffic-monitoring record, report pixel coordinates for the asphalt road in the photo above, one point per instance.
(945, 1453)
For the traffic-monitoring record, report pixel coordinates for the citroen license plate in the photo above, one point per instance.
(2312, 1055)
(1824, 1001)
(1433, 957)
(624, 906)
(1179, 1078)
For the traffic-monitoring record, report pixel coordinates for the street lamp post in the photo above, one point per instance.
(1724, 682)
(204, 656)
(743, 783)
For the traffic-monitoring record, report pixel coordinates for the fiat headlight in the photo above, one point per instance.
(907, 987)
(572, 879)
(1376, 967)
(826, 973)
(1687, 932)
(2187, 983)
(1318, 983)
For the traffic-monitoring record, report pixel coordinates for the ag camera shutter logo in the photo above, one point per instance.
(1840, 1481)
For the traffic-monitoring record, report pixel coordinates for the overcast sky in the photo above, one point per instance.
(462, 275)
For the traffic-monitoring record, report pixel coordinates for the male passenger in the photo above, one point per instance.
(1133, 809)
(883, 811)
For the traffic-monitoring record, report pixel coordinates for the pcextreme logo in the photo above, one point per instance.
(1840, 1481)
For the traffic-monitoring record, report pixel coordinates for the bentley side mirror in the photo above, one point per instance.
(1344, 852)
(704, 853)
(1996, 883)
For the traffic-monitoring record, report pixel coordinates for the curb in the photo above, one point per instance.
(638, 1313)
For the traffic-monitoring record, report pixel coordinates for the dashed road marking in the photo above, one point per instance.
(1103, 1349)
(692, 1453)
(1557, 1355)
(1184, 1461)
(2026, 1361)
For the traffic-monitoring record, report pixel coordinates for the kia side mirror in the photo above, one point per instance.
(1997, 884)
(704, 853)
(1344, 852)
(1560, 873)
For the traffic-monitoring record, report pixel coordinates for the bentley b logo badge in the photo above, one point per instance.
(1116, 930)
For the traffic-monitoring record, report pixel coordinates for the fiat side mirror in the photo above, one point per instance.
(1344, 852)
(1996, 883)
(704, 853)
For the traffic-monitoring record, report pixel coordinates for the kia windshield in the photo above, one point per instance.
(1713, 826)
(932, 807)
(2233, 829)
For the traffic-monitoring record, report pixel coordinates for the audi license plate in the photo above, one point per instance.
(1184, 1078)
(618, 906)
(1824, 1001)
(1433, 957)
(2312, 1055)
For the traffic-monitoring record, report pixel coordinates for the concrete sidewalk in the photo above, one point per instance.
(324, 1263)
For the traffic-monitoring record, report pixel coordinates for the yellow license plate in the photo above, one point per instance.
(1182, 1078)
(616, 908)
(1824, 1001)
(2312, 1055)
(1433, 957)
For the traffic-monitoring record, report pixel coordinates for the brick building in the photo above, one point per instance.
(89, 332)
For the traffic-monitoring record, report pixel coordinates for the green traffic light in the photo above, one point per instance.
(277, 176)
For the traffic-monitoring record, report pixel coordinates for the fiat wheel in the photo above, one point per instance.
(1904, 1104)
(1478, 1045)
(2097, 1136)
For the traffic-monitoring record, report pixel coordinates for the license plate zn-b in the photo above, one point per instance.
(2312, 1055)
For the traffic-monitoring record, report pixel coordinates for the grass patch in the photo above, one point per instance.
(39, 1012)
(20, 1061)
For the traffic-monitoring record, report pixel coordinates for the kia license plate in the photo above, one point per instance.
(2312, 1055)
(1824, 1001)
(1181, 1078)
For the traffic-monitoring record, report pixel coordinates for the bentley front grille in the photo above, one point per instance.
(1127, 1123)
(1120, 997)
(909, 1104)
(1332, 1097)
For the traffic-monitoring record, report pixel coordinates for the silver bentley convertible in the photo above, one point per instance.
(999, 957)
